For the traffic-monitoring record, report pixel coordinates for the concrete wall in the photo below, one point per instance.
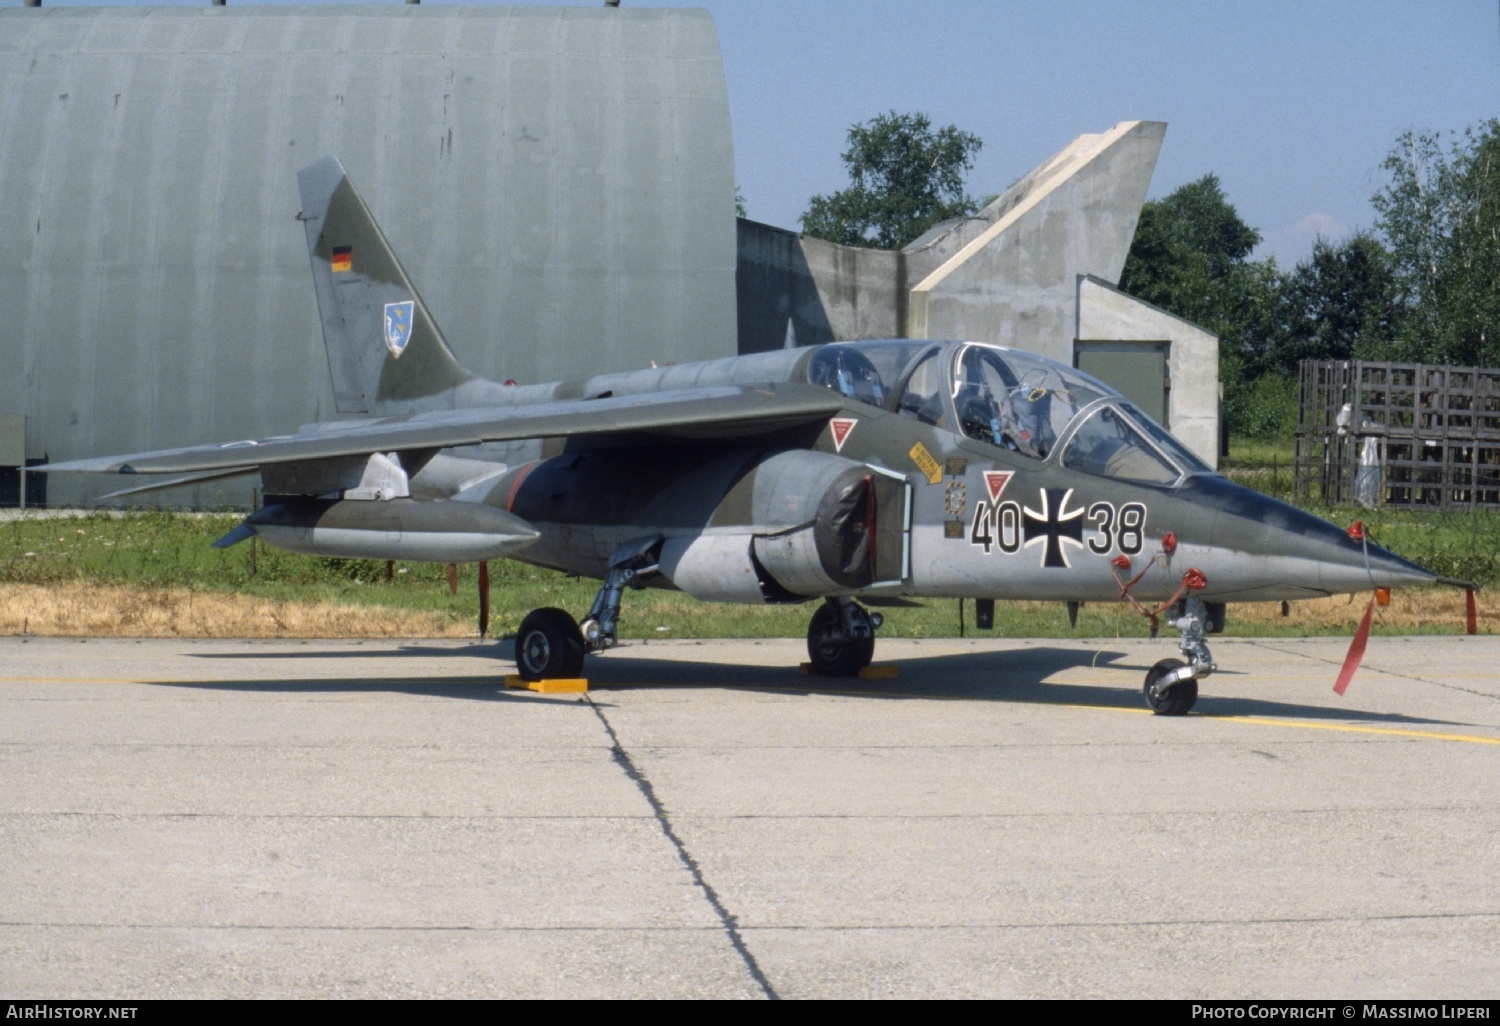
(1033, 270)
(1105, 314)
(1010, 275)
(558, 182)
(829, 292)
(1007, 275)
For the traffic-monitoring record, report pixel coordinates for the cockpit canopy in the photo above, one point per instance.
(1015, 401)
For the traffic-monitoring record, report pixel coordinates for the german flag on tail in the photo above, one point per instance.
(343, 258)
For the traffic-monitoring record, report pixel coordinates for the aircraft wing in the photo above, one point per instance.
(708, 412)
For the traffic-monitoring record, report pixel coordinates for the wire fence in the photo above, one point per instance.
(1274, 477)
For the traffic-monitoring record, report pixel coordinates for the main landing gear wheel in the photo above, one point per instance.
(1176, 700)
(840, 639)
(548, 646)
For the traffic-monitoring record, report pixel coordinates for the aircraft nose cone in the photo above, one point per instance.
(1320, 555)
(1384, 569)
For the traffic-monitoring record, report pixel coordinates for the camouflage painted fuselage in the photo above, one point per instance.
(984, 520)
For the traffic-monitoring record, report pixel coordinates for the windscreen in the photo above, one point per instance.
(1108, 445)
(1175, 449)
(1016, 400)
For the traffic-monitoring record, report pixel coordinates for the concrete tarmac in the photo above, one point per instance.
(361, 819)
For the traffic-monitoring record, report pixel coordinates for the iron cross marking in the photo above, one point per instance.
(1055, 525)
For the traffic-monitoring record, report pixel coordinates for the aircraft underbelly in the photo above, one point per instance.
(748, 525)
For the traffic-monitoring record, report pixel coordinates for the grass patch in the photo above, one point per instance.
(1255, 452)
(1266, 466)
(155, 574)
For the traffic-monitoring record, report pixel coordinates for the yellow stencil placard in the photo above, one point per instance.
(926, 464)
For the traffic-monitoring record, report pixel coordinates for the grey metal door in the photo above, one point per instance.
(1137, 369)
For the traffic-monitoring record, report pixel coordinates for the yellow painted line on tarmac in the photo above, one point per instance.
(1347, 728)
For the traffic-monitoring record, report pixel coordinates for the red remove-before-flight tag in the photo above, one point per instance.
(1356, 651)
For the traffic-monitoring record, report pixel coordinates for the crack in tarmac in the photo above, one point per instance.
(728, 921)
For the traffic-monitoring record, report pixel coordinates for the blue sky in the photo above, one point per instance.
(1292, 105)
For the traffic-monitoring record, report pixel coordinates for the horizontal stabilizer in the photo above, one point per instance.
(234, 537)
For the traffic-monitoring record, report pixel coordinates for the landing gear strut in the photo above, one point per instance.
(1172, 685)
(841, 638)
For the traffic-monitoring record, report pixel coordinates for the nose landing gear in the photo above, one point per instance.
(841, 638)
(1171, 687)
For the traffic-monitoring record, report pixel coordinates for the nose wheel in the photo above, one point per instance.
(1175, 700)
(841, 638)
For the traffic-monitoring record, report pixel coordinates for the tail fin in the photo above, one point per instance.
(385, 352)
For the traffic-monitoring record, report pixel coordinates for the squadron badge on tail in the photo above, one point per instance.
(398, 326)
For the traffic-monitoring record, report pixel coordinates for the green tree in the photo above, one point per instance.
(1440, 218)
(1340, 303)
(904, 178)
(1191, 257)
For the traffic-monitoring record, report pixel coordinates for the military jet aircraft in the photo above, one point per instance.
(843, 473)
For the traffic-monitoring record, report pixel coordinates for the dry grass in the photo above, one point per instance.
(70, 609)
(1415, 610)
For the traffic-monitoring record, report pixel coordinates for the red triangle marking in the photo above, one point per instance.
(995, 481)
(841, 426)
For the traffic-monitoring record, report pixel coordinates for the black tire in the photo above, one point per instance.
(829, 652)
(1178, 699)
(548, 646)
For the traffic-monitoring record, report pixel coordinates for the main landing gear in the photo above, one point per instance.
(841, 638)
(1172, 685)
(551, 644)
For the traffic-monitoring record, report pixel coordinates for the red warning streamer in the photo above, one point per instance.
(1356, 651)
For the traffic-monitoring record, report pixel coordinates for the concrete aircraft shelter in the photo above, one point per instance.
(558, 182)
